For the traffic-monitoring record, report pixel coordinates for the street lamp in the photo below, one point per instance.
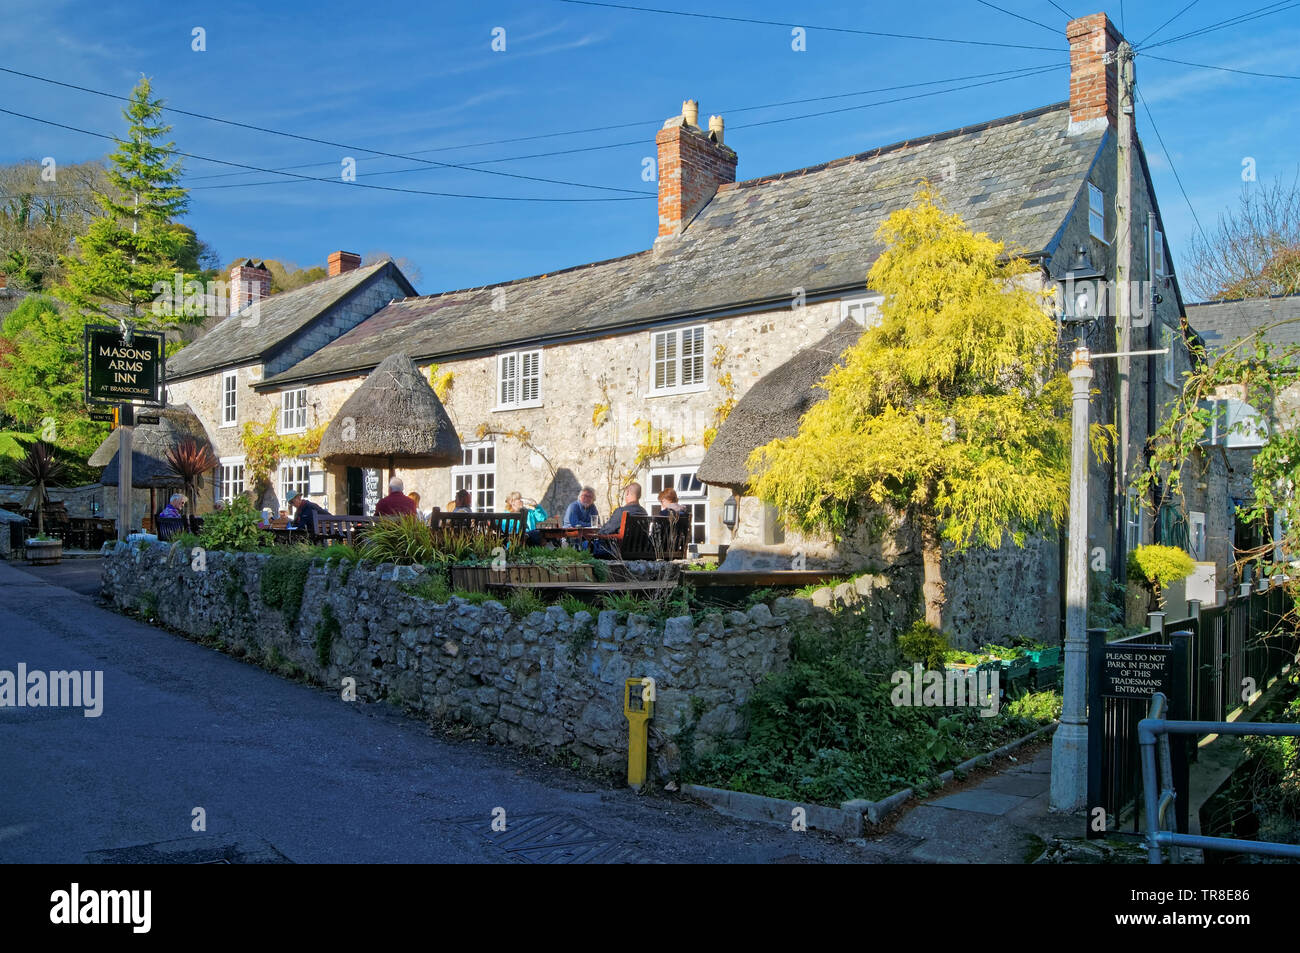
(1084, 291)
(729, 512)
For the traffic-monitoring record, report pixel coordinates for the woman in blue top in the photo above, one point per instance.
(533, 515)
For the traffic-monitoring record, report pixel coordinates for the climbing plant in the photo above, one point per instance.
(264, 447)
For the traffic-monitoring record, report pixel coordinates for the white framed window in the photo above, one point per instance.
(1134, 520)
(677, 360)
(1196, 535)
(691, 493)
(1158, 252)
(293, 410)
(477, 473)
(1170, 355)
(519, 379)
(230, 479)
(229, 398)
(295, 477)
(1096, 212)
(865, 311)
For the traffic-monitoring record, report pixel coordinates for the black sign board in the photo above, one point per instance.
(118, 372)
(146, 419)
(106, 416)
(1137, 671)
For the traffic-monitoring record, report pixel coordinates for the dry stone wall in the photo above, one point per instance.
(549, 681)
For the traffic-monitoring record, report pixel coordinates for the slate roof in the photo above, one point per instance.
(1224, 323)
(1016, 178)
(773, 407)
(236, 341)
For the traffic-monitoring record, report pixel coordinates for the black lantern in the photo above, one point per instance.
(729, 512)
(1084, 292)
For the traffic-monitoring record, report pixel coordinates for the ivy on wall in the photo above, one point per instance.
(264, 447)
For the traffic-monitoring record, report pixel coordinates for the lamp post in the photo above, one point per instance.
(1084, 303)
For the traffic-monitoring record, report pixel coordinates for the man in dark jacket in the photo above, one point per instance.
(632, 506)
(305, 512)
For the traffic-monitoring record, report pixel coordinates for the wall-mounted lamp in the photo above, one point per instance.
(729, 512)
(1083, 292)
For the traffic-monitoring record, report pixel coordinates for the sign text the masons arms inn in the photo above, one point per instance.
(117, 371)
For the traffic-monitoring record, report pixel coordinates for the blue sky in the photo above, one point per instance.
(407, 77)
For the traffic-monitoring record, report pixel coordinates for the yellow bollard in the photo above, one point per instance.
(639, 708)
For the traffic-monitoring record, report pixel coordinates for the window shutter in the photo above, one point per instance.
(532, 381)
(508, 380)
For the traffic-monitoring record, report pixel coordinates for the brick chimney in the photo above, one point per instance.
(341, 261)
(692, 164)
(248, 283)
(1094, 84)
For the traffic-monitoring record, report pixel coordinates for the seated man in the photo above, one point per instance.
(305, 512)
(632, 506)
(582, 512)
(174, 507)
(396, 504)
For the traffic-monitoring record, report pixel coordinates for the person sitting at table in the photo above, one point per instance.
(175, 504)
(396, 504)
(668, 502)
(582, 512)
(415, 498)
(464, 503)
(533, 514)
(631, 506)
(305, 512)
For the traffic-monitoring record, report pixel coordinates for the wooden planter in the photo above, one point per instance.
(44, 552)
(479, 578)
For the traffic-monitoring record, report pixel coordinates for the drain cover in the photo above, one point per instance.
(192, 850)
(551, 838)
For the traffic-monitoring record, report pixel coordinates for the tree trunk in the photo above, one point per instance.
(932, 588)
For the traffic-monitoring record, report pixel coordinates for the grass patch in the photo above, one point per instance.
(523, 602)
(283, 580)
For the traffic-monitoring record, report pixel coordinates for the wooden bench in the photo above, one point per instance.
(503, 526)
(341, 528)
(648, 537)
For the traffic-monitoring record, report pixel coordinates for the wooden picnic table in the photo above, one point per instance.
(624, 585)
(558, 534)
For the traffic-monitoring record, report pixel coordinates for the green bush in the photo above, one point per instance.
(433, 586)
(523, 602)
(572, 604)
(234, 528)
(403, 541)
(283, 579)
(1158, 566)
(327, 629)
(1041, 707)
(924, 643)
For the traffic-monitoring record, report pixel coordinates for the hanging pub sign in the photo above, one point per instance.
(122, 371)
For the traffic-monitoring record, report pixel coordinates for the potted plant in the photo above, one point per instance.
(39, 468)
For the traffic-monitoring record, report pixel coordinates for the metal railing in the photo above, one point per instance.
(1153, 734)
(1221, 658)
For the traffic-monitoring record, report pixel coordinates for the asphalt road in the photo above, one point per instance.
(285, 771)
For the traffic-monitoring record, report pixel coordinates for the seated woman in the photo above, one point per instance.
(668, 502)
(533, 515)
(463, 502)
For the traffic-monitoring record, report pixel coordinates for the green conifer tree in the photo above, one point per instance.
(134, 247)
(949, 410)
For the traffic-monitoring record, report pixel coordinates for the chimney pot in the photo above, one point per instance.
(248, 283)
(341, 261)
(1094, 70)
(692, 164)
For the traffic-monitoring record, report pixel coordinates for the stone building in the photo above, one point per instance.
(616, 369)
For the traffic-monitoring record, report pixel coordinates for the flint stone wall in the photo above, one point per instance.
(549, 681)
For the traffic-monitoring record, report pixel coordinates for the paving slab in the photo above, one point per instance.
(980, 800)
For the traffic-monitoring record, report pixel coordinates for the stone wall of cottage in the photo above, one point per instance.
(550, 681)
(569, 444)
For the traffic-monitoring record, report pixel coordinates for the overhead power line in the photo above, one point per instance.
(1063, 10)
(1144, 39)
(1010, 13)
(808, 26)
(1225, 69)
(323, 142)
(1259, 12)
(1170, 159)
(1009, 74)
(335, 180)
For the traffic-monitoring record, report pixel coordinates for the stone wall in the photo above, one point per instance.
(549, 681)
(78, 499)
